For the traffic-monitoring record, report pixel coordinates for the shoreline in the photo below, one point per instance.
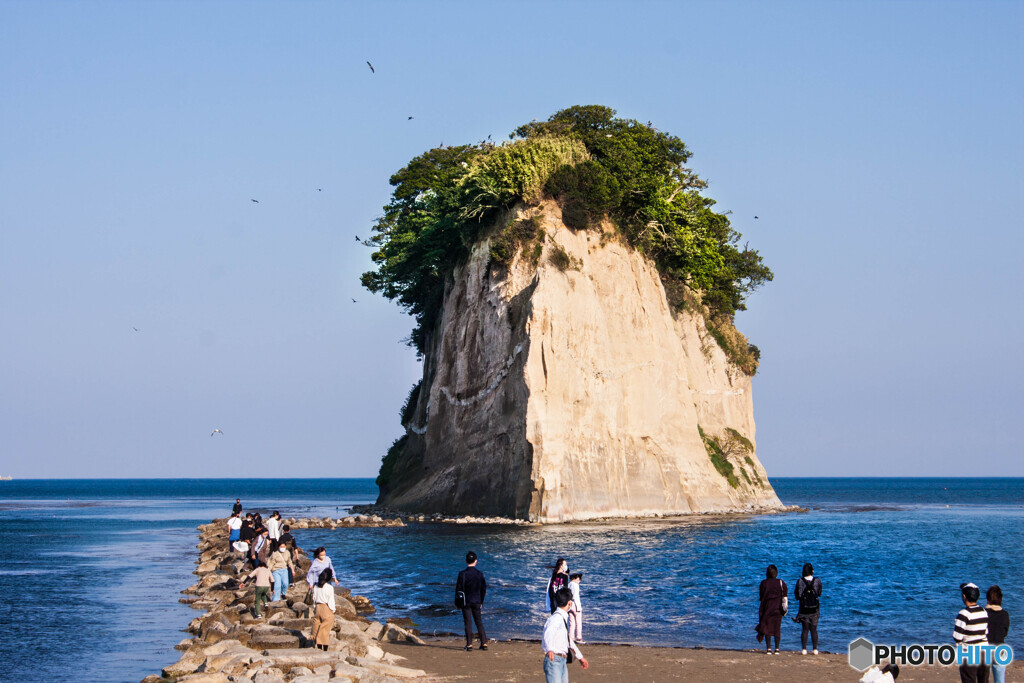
(228, 645)
(520, 660)
(385, 513)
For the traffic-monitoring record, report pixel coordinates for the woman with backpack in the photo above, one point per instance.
(807, 592)
(773, 599)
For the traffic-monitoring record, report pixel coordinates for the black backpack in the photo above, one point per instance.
(809, 598)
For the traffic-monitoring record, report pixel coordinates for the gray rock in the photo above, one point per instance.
(374, 629)
(188, 664)
(267, 678)
(385, 669)
(261, 641)
(205, 678)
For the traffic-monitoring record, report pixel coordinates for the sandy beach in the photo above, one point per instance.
(521, 661)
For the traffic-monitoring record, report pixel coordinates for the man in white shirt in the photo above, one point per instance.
(556, 642)
(274, 526)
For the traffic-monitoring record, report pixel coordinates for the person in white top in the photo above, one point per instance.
(274, 526)
(576, 611)
(886, 674)
(323, 617)
(557, 642)
(234, 529)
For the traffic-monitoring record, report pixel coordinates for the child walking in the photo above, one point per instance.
(576, 613)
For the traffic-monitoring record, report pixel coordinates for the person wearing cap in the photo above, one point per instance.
(971, 628)
(473, 587)
(557, 642)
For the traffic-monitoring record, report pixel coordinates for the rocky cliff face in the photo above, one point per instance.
(557, 394)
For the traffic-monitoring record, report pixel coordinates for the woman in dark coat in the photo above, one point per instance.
(773, 590)
(559, 580)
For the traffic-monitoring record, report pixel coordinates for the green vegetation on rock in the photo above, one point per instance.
(596, 166)
(719, 458)
(387, 465)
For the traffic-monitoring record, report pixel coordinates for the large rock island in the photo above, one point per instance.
(568, 374)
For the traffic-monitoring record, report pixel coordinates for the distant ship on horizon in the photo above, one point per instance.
(6, 478)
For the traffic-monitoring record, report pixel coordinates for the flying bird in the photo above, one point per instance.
(357, 238)
(319, 189)
(216, 431)
(353, 301)
(410, 118)
(372, 70)
(755, 218)
(255, 201)
(136, 329)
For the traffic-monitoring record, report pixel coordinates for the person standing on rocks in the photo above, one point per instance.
(288, 541)
(470, 589)
(234, 529)
(264, 582)
(274, 526)
(807, 592)
(260, 548)
(557, 642)
(248, 531)
(280, 565)
(323, 610)
(320, 563)
(236, 509)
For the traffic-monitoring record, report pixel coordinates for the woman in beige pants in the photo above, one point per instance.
(323, 609)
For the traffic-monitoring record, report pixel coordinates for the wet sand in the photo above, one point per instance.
(521, 661)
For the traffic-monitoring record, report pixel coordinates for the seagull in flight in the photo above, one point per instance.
(135, 328)
(216, 431)
(755, 218)
(409, 119)
(255, 201)
(372, 70)
(353, 301)
(357, 238)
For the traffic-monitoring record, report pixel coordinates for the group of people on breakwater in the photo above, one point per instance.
(271, 551)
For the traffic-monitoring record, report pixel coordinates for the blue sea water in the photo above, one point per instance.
(91, 569)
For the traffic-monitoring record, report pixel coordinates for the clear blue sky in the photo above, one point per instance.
(881, 144)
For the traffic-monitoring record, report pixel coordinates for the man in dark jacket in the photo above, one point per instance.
(470, 589)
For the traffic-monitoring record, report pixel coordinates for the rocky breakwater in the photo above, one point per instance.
(565, 386)
(228, 643)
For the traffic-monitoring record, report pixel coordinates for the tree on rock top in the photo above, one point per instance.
(595, 165)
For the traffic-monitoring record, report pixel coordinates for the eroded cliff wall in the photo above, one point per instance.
(572, 391)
